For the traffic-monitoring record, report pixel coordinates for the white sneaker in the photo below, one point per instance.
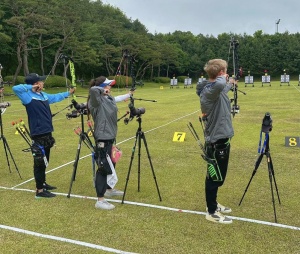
(218, 217)
(223, 209)
(103, 204)
(113, 192)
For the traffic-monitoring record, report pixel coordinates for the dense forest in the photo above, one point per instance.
(34, 34)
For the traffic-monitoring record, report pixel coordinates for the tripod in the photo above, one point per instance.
(140, 135)
(6, 147)
(265, 151)
(83, 137)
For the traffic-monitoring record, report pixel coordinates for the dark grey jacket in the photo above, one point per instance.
(104, 111)
(215, 104)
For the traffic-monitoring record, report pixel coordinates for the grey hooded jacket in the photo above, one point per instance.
(104, 111)
(215, 105)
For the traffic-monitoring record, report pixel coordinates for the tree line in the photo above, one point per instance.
(34, 34)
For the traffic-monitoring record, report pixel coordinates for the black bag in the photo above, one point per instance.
(101, 158)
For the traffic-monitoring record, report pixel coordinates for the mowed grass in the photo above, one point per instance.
(180, 174)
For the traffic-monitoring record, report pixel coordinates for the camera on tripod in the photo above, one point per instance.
(81, 109)
(134, 112)
(5, 104)
(266, 126)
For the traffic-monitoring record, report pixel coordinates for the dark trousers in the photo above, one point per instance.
(39, 168)
(220, 151)
(101, 178)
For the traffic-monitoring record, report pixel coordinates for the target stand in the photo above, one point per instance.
(249, 80)
(174, 83)
(266, 79)
(188, 83)
(284, 79)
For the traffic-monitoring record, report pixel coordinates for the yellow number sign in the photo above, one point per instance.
(179, 136)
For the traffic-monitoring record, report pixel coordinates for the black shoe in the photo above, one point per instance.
(44, 194)
(48, 187)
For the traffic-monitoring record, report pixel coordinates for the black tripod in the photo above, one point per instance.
(265, 151)
(83, 137)
(140, 135)
(6, 147)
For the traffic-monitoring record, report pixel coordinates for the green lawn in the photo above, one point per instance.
(146, 225)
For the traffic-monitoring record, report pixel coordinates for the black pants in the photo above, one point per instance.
(45, 141)
(220, 151)
(101, 178)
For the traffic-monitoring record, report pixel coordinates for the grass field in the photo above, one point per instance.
(144, 224)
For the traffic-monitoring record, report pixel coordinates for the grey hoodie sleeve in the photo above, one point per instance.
(95, 96)
(213, 92)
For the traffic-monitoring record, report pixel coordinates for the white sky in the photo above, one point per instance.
(213, 17)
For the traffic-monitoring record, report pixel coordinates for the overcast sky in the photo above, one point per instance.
(213, 17)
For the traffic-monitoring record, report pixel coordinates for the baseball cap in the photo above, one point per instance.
(108, 82)
(32, 78)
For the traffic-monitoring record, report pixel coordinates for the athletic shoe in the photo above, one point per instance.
(48, 187)
(103, 204)
(44, 194)
(218, 217)
(223, 209)
(113, 192)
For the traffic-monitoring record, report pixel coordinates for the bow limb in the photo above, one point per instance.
(73, 77)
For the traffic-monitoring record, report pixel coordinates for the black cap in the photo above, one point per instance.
(33, 78)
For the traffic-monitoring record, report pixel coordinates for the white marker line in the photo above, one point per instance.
(170, 209)
(62, 239)
(296, 88)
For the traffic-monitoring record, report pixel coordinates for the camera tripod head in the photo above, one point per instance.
(266, 126)
(80, 109)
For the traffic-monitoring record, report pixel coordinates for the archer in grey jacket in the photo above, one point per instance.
(215, 107)
(216, 113)
(103, 109)
(102, 106)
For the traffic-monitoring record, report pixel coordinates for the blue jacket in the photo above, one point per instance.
(38, 108)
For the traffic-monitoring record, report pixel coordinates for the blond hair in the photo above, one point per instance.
(214, 66)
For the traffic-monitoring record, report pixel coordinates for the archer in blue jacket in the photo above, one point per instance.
(37, 104)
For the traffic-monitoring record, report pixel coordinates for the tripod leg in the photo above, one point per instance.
(271, 185)
(6, 148)
(258, 161)
(75, 164)
(154, 177)
(273, 174)
(139, 159)
(130, 165)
